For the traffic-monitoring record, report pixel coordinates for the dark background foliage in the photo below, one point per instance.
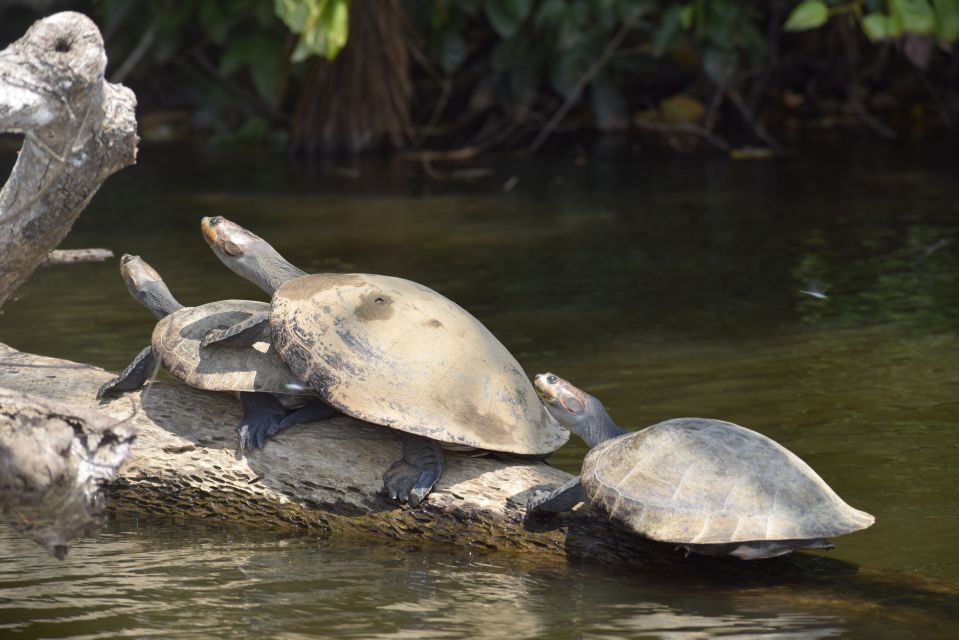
(472, 75)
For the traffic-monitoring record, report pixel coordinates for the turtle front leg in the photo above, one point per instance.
(262, 415)
(133, 377)
(558, 500)
(313, 412)
(412, 477)
(242, 334)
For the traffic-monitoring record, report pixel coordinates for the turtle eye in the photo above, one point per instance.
(552, 379)
(215, 220)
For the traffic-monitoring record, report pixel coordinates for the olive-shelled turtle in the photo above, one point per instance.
(710, 486)
(391, 352)
(264, 384)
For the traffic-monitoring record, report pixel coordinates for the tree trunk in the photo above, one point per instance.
(78, 130)
(361, 99)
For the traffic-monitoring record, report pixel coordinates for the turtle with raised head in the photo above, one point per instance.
(266, 387)
(709, 486)
(391, 352)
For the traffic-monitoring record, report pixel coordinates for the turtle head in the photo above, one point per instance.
(247, 254)
(147, 287)
(575, 410)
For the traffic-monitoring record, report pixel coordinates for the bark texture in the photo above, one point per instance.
(53, 461)
(327, 477)
(78, 130)
(70, 256)
(321, 476)
(361, 99)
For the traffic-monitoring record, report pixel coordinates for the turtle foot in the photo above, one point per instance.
(410, 483)
(108, 388)
(262, 416)
(536, 500)
(561, 499)
(242, 334)
(133, 377)
(412, 477)
(254, 434)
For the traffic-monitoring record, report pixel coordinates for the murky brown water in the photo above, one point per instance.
(665, 286)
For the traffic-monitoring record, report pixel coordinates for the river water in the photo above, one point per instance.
(666, 286)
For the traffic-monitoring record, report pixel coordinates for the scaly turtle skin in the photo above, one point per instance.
(391, 352)
(710, 486)
(265, 385)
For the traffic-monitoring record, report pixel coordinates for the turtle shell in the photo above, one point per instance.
(396, 353)
(176, 343)
(699, 481)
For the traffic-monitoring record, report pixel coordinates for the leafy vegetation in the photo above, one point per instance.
(886, 20)
(493, 73)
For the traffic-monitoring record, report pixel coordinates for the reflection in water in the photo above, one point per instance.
(205, 584)
(666, 287)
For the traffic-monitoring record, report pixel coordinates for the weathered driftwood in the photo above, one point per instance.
(53, 461)
(78, 130)
(327, 477)
(70, 256)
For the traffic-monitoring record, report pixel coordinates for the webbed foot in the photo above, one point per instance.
(409, 483)
(254, 433)
(411, 478)
(107, 388)
(242, 334)
(133, 377)
(562, 498)
(262, 415)
(536, 500)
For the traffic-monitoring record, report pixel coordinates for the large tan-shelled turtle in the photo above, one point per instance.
(391, 352)
(709, 486)
(264, 384)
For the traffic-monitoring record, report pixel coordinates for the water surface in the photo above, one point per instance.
(666, 286)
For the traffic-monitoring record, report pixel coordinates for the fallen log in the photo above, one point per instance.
(53, 461)
(71, 256)
(326, 477)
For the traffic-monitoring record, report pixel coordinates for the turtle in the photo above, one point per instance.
(265, 386)
(391, 352)
(709, 486)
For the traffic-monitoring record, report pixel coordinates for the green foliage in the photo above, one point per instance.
(877, 26)
(323, 26)
(238, 64)
(884, 19)
(911, 16)
(808, 14)
(947, 19)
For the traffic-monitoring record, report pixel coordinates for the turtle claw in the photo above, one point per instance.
(254, 433)
(107, 388)
(409, 483)
(536, 499)
(213, 336)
